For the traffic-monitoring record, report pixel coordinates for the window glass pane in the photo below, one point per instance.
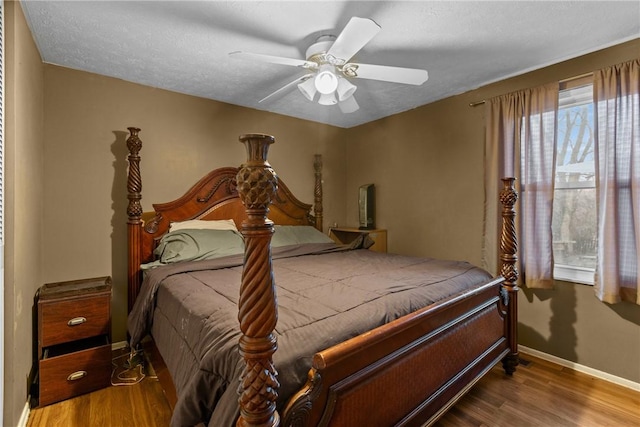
(574, 208)
(574, 227)
(575, 156)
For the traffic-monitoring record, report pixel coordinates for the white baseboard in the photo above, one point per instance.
(118, 345)
(581, 368)
(24, 417)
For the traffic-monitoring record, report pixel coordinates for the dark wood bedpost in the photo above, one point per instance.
(317, 206)
(509, 270)
(134, 212)
(258, 313)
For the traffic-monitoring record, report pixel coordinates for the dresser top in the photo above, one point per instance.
(75, 288)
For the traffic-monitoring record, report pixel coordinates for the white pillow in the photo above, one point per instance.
(199, 224)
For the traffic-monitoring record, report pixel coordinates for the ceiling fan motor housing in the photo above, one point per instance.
(320, 47)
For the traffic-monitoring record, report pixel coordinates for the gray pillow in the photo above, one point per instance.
(286, 235)
(196, 245)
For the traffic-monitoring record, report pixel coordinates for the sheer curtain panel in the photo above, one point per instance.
(617, 99)
(520, 142)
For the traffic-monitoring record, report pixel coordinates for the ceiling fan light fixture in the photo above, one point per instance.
(349, 105)
(308, 89)
(327, 99)
(345, 88)
(326, 81)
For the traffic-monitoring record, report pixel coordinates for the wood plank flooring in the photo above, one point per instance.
(544, 394)
(139, 405)
(540, 393)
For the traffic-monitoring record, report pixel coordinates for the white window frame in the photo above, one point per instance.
(575, 93)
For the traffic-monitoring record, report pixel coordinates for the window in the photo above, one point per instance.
(574, 221)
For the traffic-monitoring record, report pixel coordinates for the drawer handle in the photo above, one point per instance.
(77, 321)
(77, 375)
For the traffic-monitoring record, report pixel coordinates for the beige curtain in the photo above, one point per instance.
(520, 142)
(617, 117)
(501, 125)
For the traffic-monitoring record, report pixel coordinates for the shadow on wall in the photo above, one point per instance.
(119, 235)
(626, 310)
(563, 298)
(562, 339)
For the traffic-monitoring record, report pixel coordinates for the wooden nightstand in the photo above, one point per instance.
(74, 338)
(346, 235)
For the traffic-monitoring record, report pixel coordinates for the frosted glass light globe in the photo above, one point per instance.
(326, 81)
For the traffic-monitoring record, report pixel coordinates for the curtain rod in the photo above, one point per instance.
(569, 79)
(581, 76)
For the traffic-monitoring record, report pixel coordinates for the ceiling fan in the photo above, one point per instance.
(327, 61)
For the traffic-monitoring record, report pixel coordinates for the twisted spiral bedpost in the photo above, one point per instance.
(317, 206)
(509, 270)
(134, 214)
(258, 314)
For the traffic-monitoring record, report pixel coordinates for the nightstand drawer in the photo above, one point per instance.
(65, 374)
(75, 319)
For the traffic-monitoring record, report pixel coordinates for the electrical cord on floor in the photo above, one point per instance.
(129, 372)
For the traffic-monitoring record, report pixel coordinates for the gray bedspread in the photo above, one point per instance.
(325, 296)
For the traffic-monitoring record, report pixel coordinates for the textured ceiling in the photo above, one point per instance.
(183, 46)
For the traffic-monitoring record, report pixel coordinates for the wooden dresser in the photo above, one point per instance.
(346, 235)
(74, 338)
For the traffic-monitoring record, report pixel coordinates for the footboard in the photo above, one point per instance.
(409, 371)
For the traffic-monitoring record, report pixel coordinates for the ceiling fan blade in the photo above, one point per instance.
(273, 59)
(349, 105)
(288, 86)
(357, 33)
(411, 76)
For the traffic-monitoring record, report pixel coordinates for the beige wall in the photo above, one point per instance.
(184, 137)
(427, 169)
(427, 165)
(66, 189)
(24, 208)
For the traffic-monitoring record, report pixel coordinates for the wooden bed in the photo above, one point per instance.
(410, 370)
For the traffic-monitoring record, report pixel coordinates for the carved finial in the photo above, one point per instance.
(256, 180)
(508, 242)
(257, 308)
(134, 180)
(133, 142)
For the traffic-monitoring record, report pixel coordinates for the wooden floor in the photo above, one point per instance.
(544, 394)
(139, 405)
(539, 394)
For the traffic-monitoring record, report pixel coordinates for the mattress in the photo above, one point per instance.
(326, 295)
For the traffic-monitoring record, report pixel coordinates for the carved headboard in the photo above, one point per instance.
(213, 197)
